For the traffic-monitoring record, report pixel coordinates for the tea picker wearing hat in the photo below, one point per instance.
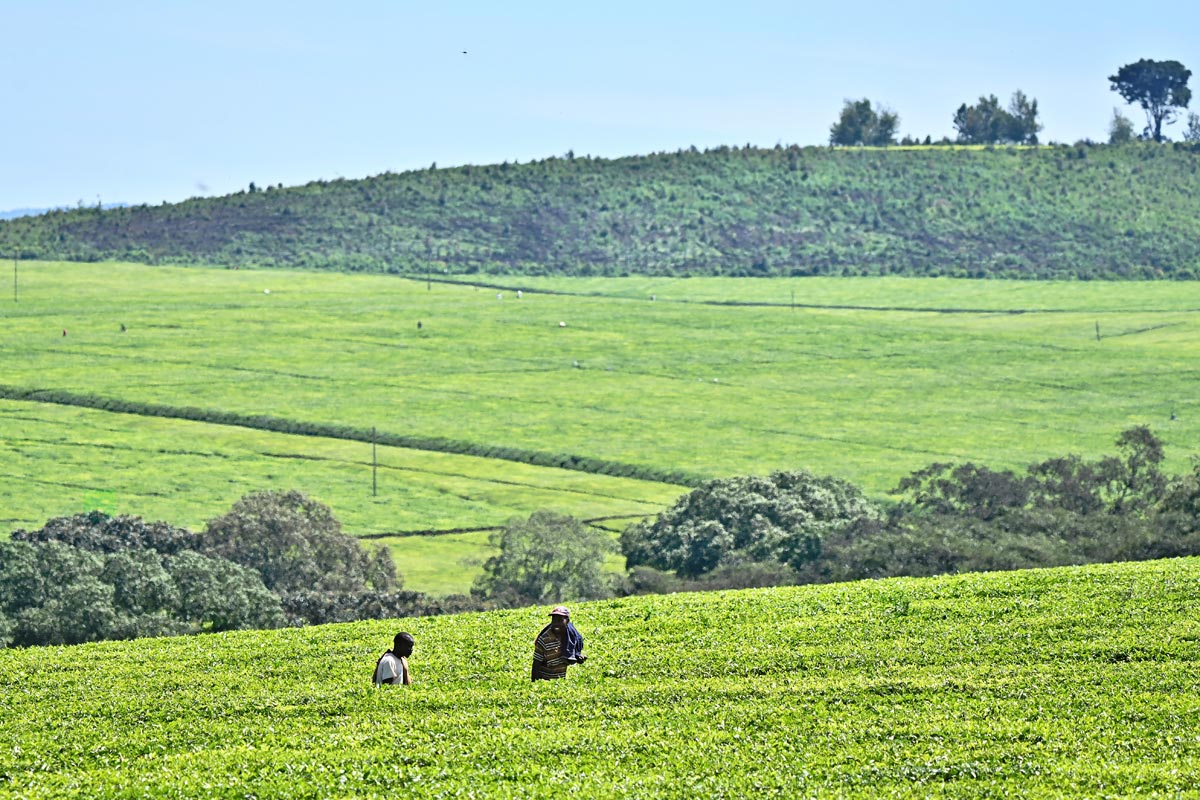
(558, 646)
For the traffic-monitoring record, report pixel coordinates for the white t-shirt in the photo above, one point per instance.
(390, 666)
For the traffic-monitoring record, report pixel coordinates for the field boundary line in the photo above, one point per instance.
(590, 521)
(265, 422)
(810, 306)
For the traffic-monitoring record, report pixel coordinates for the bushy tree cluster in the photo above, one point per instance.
(275, 558)
(549, 557)
(781, 518)
(988, 123)
(297, 546)
(1067, 510)
(54, 593)
(951, 518)
(860, 124)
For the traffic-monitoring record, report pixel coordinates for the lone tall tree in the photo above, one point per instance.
(1159, 87)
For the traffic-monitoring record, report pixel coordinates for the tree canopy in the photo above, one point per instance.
(860, 124)
(548, 557)
(296, 544)
(1159, 87)
(780, 517)
(988, 123)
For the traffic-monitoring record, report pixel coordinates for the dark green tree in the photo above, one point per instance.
(983, 123)
(1022, 122)
(219, 595)
(860, 124)
(988, 123)
(141, 585)
(52, 594)
(99, 533)
(780, 518)
(1159, 87)
(1134, 480)
(548, 557)
(296, 545)
(964, 490)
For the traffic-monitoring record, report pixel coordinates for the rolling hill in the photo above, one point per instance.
(1051, 212)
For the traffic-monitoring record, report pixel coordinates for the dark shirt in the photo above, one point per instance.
(550, 655)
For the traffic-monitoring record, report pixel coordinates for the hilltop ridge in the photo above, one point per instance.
(1094, 211)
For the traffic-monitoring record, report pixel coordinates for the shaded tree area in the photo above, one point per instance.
(783, 517)
(950, 518)
(275, 558)
(280, 558)
(298, 547)
(1057, 212)
(53, 593)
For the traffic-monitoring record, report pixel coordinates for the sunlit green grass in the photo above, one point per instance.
(57, 460)
(1077, 682)
(865, 379)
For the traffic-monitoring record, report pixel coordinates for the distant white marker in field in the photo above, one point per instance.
(266, 291)
(562, 324)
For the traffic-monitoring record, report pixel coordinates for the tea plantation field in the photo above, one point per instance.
(1073, 682)
(867, 379)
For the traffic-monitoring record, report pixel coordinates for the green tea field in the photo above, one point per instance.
(1071, 682)
(602, 398)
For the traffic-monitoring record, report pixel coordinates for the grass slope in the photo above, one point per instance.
(1130, 212)
(865, 378)
(868, 392)
(1067, 682)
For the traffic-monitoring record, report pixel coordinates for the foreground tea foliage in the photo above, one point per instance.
(1066, 682)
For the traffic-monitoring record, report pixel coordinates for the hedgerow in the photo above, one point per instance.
(266, 422)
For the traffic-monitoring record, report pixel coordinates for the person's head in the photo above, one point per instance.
(559, 617)
(402, 645)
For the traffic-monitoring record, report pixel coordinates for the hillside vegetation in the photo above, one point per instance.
(1066, 682)
(1084, 212)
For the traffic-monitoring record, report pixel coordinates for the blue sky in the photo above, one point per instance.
(150, 101)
